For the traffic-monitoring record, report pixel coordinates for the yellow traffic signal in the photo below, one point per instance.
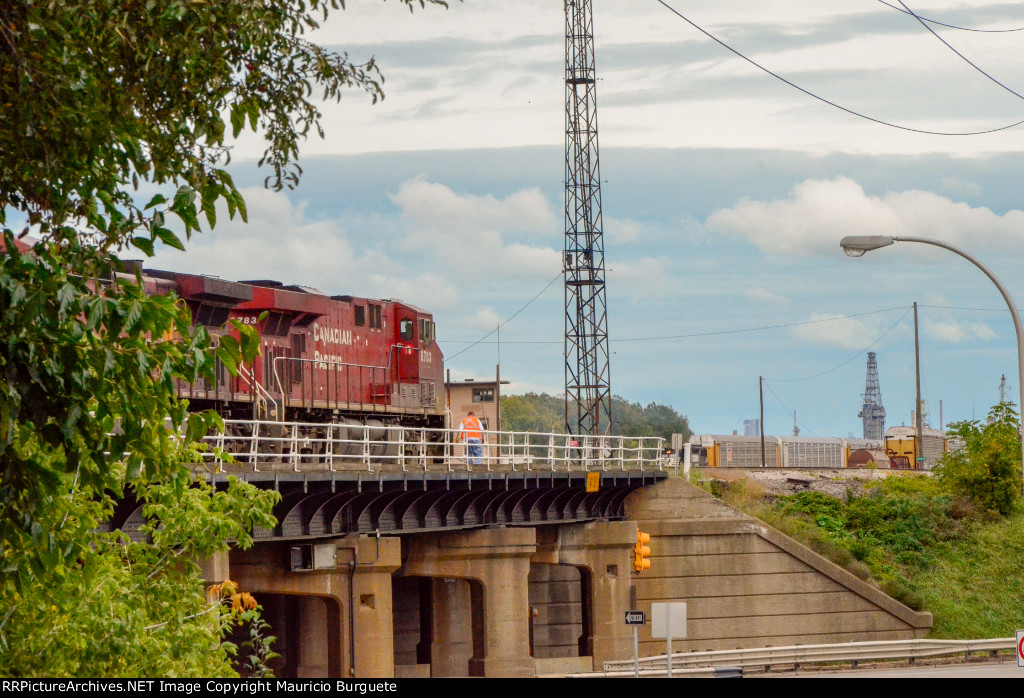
(642, 552)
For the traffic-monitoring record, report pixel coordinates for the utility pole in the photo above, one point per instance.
(760, 391)
(588, 397)
(919, 451)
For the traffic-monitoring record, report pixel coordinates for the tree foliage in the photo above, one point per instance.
(546, 413)
(987, 469)
(117, 119)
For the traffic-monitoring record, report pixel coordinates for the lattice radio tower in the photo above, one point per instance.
(588, 400)
(872, 413)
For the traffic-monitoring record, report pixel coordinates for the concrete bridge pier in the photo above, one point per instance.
(316, 613)
(602, 552)
(494, 564)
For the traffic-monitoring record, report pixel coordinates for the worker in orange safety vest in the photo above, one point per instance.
(472, 434)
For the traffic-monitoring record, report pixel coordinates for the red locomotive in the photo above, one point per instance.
(323, 358)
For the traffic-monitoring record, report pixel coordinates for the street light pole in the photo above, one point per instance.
(857, 245)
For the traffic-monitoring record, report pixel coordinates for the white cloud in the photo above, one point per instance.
(279, 242)
(645, 278)
(818, 213)
(760, 295)
(957, 332)
(519, 387)
(478, 239)
(429, 290)
(480, 319)
(436, 207)
(622, 230)
(841, 332)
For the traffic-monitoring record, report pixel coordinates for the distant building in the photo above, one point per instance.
(481, 396)
(751, 427)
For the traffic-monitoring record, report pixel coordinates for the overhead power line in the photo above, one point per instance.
(950, 47)
(826, 101)
(951, 26)
(681, 336)
(510, 319)
(837, 367)
(807, 430)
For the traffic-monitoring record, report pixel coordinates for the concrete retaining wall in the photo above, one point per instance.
(747, 585)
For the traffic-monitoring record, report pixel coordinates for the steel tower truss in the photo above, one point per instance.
(588, 401)
(872, 413)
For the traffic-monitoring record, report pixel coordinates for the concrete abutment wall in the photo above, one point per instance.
(747, 585)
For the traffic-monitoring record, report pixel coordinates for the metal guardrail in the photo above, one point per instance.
(705, 663)
(300, 446)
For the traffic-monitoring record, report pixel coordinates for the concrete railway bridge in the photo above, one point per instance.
(397, 554)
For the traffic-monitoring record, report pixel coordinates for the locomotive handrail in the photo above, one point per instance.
(330, 363)
(327, 364)
(304, 446)
(261, 392)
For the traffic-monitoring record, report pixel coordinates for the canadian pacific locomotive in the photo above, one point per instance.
(323, 359)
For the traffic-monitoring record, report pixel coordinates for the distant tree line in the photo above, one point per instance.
(546, 413)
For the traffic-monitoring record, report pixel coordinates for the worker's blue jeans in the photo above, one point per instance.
(474, 450)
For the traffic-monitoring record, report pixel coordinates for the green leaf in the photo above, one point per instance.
(65, 297)
(144, 244)
(166, 236)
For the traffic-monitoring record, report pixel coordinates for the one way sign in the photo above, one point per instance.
(636, 618)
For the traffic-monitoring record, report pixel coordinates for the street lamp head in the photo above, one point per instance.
(857, 245)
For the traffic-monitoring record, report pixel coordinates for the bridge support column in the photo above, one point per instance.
(372, 623)
(451, 644)
(496, 564)
(215, 569)
(314, 642)
(348, 630)
(603, 552)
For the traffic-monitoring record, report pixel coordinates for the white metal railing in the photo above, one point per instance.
(797, 655)
(369, 447)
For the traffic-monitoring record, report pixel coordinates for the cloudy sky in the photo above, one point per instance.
(725, 192)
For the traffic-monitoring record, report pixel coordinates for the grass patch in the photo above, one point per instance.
(926, 547)
(975, 587)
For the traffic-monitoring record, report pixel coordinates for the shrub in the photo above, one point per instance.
(858, 569)
(987, 469)
(901, 591)
(812, 504)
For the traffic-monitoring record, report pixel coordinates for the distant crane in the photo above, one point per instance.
(872, 413)
(588, 397)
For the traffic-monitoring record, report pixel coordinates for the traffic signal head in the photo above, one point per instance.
(642, 552)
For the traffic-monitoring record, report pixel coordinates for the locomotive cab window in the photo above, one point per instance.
(360, 315)
(376, 321)
(426, 331)
(406, 329)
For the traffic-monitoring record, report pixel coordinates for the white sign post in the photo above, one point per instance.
(1020, 648)
(636, 618)
(668, 620)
